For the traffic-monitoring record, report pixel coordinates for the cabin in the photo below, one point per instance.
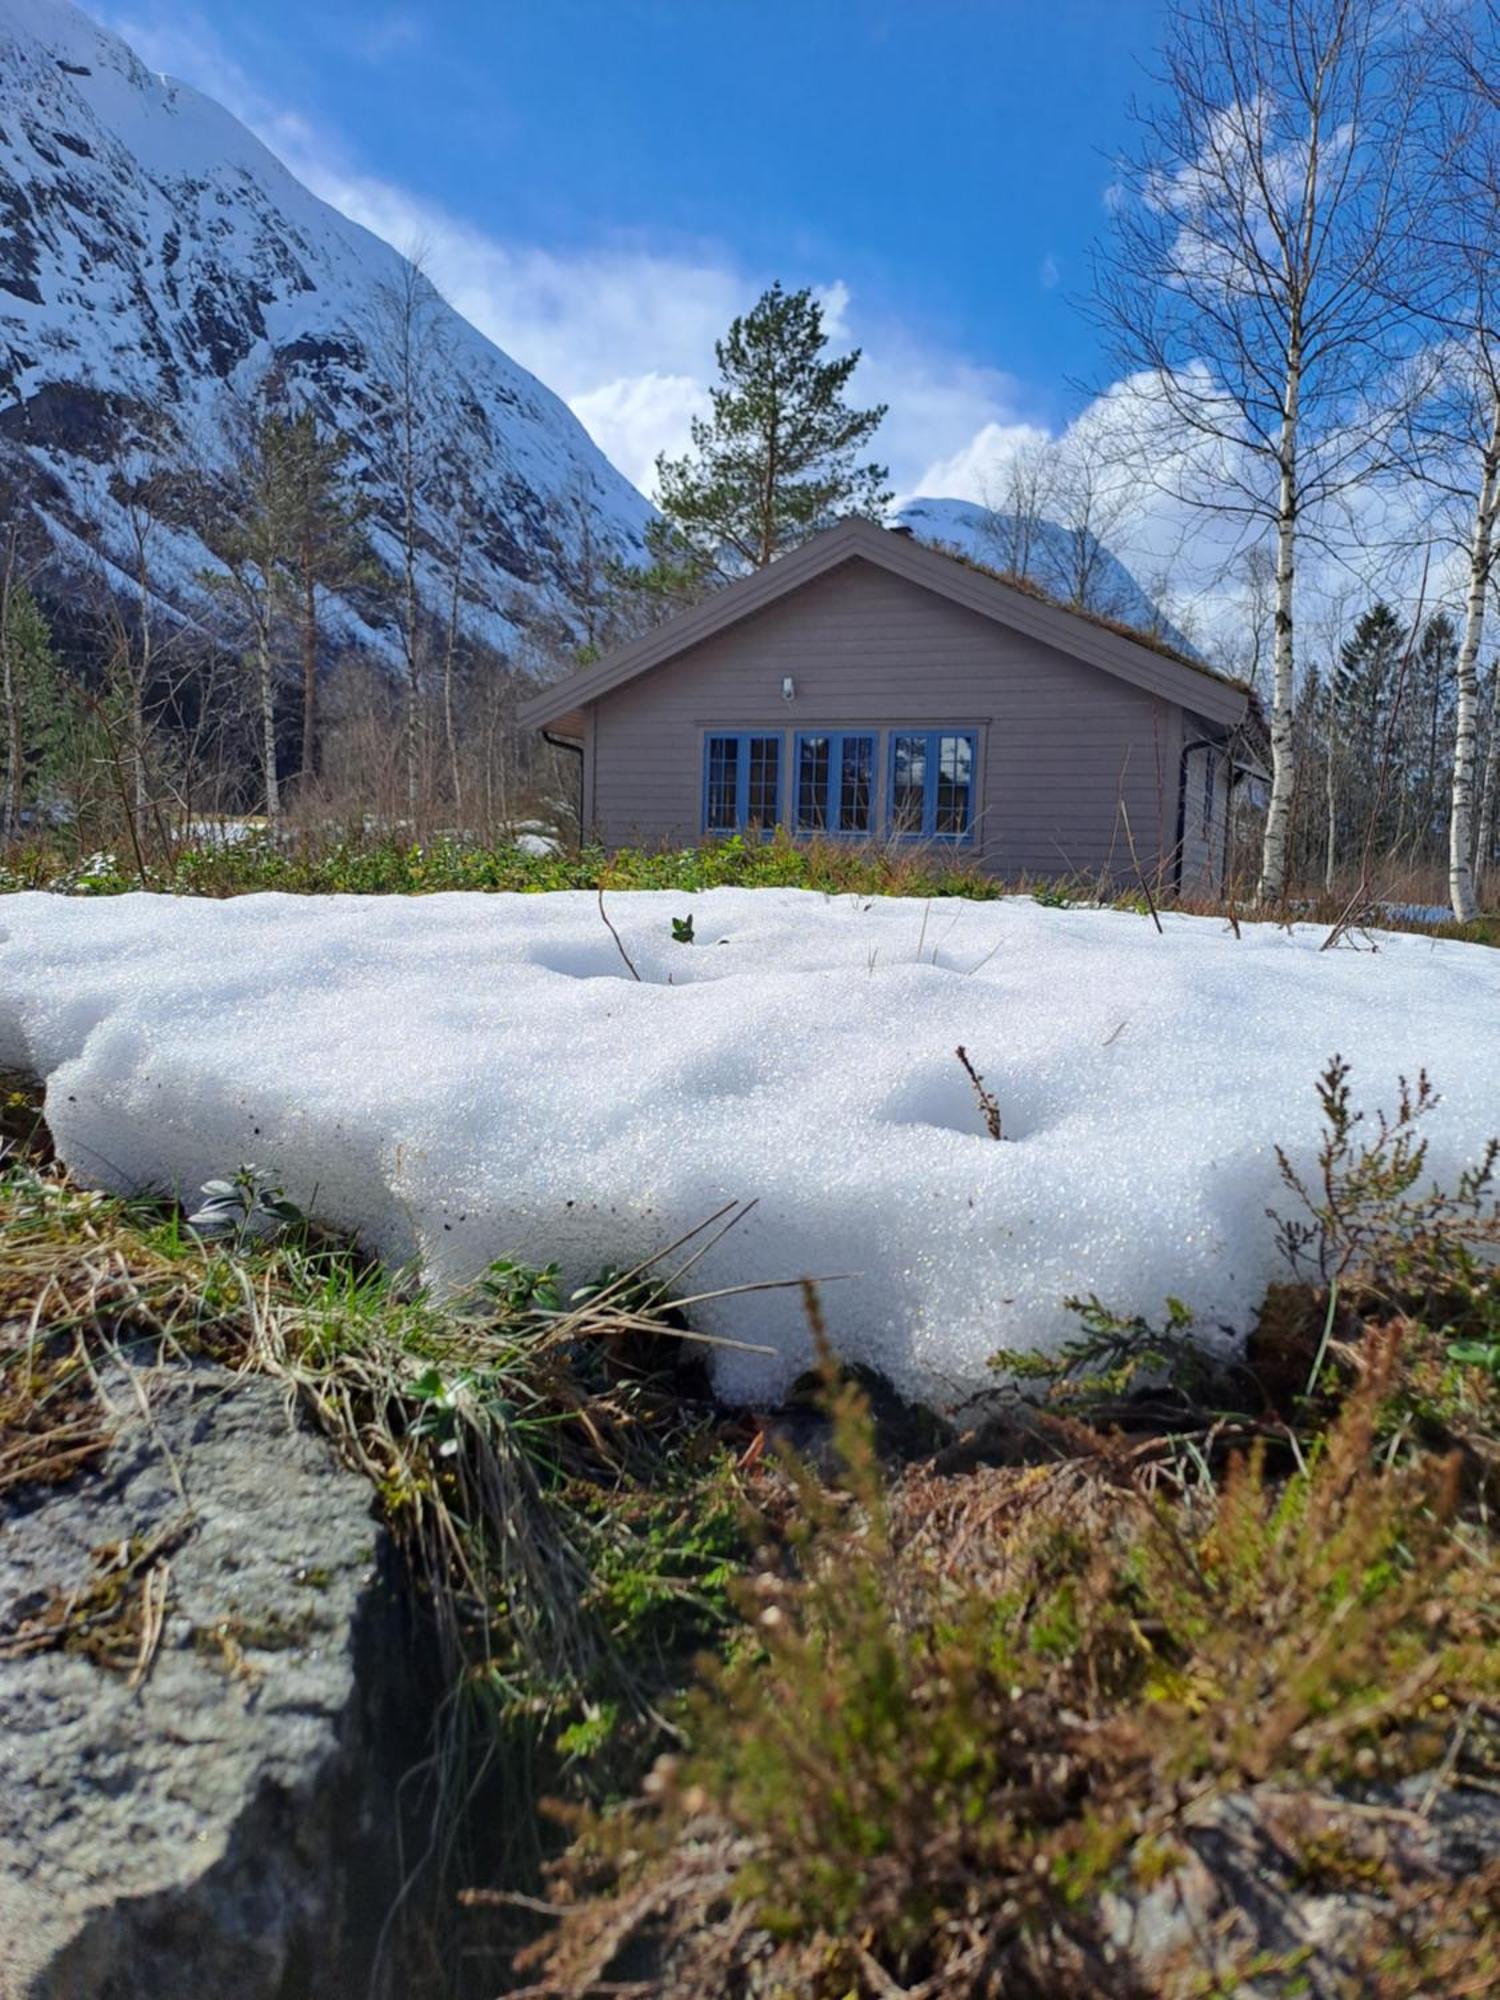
(868, 687)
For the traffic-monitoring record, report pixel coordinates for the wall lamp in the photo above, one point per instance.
(788, 688)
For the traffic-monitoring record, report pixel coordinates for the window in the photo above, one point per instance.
(835, 783)
(741, 783)
(932, 783)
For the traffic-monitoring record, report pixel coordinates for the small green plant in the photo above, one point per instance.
(943, 1741)
(1371, 1214)
(682, 930)
(1117, 1355)
(517, 1290)
(1052, 896)
(252, 1206)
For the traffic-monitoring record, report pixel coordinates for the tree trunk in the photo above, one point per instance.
(267, 688)
(1331, 787)
(1273, 861)
(450, 648)
(139, 681)
(10, 695)
(309, 758)
(1461, 821)
(1484, 845)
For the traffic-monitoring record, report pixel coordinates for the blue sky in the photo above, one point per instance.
(600, 183)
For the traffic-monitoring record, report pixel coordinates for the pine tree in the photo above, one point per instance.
(778, 458)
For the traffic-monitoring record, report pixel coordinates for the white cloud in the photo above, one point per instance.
(636, 417)
(623, 331)
(976, 471)
(1050, 273)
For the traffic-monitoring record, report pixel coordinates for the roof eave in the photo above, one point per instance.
(1193, 688)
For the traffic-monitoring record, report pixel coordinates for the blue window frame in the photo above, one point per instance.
(932, 780)
(741, 783)
(834, 775)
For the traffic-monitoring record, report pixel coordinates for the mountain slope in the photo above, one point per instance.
(1051, 559)
(158, 265)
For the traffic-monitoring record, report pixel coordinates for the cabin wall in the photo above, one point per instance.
(1061, 744)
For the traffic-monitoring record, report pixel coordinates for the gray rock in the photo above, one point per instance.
(1241, 1895)
(227, 1827)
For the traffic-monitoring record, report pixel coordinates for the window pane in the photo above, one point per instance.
(723, 783)
(856, 786)
(812, 784)
(955, 784)
(908, 782)
(764, 787)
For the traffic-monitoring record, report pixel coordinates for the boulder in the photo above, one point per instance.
(206, 1704)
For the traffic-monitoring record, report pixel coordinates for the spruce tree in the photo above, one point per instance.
(1367, 691)
(777, 459)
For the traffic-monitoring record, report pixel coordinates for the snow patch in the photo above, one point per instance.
(460, 1077)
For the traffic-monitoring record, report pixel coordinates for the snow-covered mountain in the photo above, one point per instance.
(1052, 556)
(158, 266)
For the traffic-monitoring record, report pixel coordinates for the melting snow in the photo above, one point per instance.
(462, 1076)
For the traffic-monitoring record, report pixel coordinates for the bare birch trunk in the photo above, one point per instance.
(1484, 845)
(1331, 789)
(1465, 738)
(1273, 860)
(450, 648)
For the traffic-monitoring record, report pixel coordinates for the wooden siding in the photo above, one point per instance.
(1061, 743)
(1206, 783)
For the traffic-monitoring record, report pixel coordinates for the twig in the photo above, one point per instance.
(1135, 863)
(154, 1591)
(989, 1104)
(630, 962)
(1444, 1770)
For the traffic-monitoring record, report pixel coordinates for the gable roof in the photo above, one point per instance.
(1197, 688)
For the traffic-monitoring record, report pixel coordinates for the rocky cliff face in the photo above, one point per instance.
(159, 268)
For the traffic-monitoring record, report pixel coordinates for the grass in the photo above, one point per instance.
(565, 1501)
(938, 1719)
(362, 862)
(971, 1710)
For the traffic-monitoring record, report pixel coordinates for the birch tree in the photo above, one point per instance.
(1260, 271)
(1458, 428)
(1489, 791)
(327, 549)
(252, 534)
(412, 349)
(145, 455)
(1017, 506)
(1091, 500)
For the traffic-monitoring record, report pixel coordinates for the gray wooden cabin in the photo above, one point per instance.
(868, 687)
